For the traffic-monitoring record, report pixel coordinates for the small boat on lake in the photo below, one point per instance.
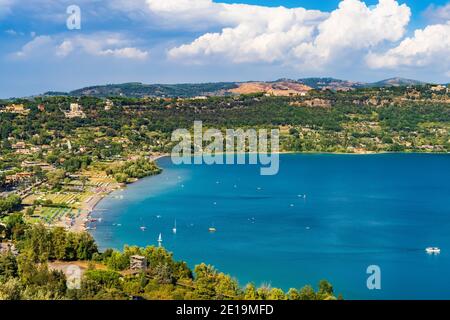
(160, 240)
(433, 250)
(174, 229)
(143, 228)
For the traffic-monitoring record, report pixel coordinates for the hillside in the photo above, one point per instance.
(276, 88)
(281, 87)
(140, 90)
(396, 82)
(330, 83)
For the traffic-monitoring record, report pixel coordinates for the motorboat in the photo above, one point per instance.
(433, 250)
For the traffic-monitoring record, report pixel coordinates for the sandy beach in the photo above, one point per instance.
(79, 222)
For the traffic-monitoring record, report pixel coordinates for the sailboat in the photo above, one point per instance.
(174, 230)
(160, 240)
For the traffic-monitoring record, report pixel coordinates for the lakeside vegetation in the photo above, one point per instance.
(33, 273)
(129, 171)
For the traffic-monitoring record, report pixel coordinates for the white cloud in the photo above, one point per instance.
(114, 45)
(438, 14)
(12, 32)
(130, 53)
(249, 33)
(307, 38)
(428, 47)
(99, 44)
(354, 26)
(36, 45)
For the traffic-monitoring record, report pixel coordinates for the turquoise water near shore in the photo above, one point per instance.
(359, 210)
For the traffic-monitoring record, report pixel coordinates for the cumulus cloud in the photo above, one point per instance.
(354, 26)
(128, 52)
(36, 45)
(100, 44)
(114, 45)
(292, 36)
(429, 46)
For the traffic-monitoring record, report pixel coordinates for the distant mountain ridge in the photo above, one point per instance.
(396, 82)
(188, 90)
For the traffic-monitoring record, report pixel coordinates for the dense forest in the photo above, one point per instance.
(32, 275)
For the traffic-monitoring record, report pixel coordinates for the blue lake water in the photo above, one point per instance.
(359, 210)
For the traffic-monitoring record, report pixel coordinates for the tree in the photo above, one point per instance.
(227, 287)
(11, 289)
(293, 294)
(325, 288)
(307, 293)
(56, 177)
(59, 241)
(15, 226)
(205, 281)
(276, 294)
(250, 292)
(9, 203)
(86, 246)
(2, 180)
(8, 266)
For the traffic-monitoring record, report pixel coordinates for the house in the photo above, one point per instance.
(316, 102)
(138, 263)
(43, 165)
(438, 88)
(15, 178)
(75, 111)
(18, 145)
(108, 105)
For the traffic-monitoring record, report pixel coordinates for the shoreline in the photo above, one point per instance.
(89, 205)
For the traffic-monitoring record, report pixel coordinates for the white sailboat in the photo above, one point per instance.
(174, 230)
(160, 240)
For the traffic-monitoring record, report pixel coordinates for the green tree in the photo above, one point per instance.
(325, 289)
(307, 293)
(293, 294)
(250, 292)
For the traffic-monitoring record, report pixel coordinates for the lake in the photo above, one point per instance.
(323, 216)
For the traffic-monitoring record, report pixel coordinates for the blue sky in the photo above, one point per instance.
(175, 41)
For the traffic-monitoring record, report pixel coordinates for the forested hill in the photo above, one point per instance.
(281, 87)
(140, 90)
(338, 84)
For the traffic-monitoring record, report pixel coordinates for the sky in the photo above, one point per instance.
(44, 48)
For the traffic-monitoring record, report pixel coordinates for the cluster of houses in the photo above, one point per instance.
(440, 88)
(18, 177)
(21, 147)
(16, 108)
